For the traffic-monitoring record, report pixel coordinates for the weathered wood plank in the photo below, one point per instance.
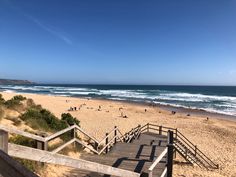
(164, 172)
(11, 168)
(85, 145)
(158, 159)
(91, 137)
(48, 157)
(57, 134)
(137, 157)
(22, 133)
(112, 140)
(63, 146)
(111, 132)
(3, 141)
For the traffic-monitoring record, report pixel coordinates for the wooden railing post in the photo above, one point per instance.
(195, 150)
(124, 138)
(150, 174)
(160, 130)
(4, 141)
(170, 154)
(115, 134)
(107, 142)
(176, 137)
(147, 127)
(42, 145)
(186, 153)
(96, 146)
(170, 137)
(139, 130)
(73, 135)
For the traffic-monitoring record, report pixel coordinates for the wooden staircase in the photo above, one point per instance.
(143, 151)
(191, 153)
(136, 156)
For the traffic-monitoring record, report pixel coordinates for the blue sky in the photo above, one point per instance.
(119, 41)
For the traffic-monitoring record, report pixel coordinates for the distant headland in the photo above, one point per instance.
(15, 82)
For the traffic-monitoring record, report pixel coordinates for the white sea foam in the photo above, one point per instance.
(200, 96)
(210, 103)
(212, 110)
(8, 91)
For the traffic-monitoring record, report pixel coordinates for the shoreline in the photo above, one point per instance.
(178, 109)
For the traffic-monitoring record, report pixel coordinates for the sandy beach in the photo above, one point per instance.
(215, 137)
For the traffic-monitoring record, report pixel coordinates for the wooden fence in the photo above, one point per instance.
(105, 145)
(50, 157)
(199, 157)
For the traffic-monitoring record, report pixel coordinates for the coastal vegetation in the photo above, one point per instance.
(1, 99)
(1, 112)
(1, 106)
(21, 110)
(34, 115)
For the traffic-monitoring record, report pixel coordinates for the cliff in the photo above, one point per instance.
(15, 82)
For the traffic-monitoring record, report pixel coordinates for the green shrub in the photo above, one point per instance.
(31, 165)
(15, 103)
(12, 103)
(19, 97)
(1, 112)
(31, 104)
(69, 119)
(2, 101)
(21, 140)
(43, 120)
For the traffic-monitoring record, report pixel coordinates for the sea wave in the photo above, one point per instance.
(200, 96)
(230, 112)
(8, 91)
(211, 103)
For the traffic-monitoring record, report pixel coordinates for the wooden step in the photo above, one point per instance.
(136, 156)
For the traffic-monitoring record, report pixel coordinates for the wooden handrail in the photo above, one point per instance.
(111, 132)
(91, 137)
(169, 128)
(128, 137)
(182, 136)
(58, 159)
(103, 149)
(22, 133)
(164, 172)
(190, 145)
(85, 145)
(164, 152)
(121, 135)
(216, 166)
(194, 148)
(43, 139)
(187, 142)
(55, 135)
(63, 146)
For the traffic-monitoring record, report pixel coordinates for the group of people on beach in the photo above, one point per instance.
(72, 109)
(122, 114)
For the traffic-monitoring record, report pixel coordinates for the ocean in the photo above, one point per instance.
(216, 99)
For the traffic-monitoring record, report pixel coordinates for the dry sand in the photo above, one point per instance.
(215, 137)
